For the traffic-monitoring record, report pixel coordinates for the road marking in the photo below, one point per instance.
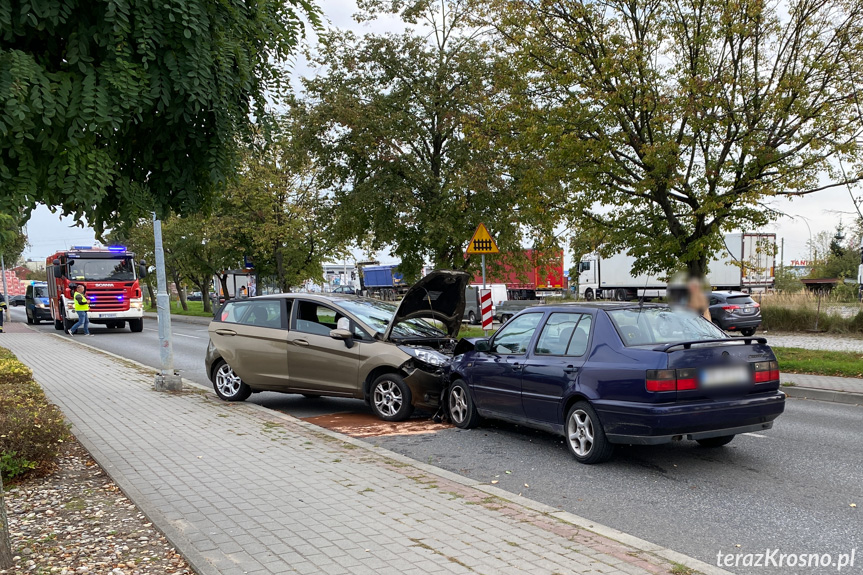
(756, 435)
(150, 329)
(184, 335)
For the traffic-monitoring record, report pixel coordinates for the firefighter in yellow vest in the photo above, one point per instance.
(82, 306)
(3, 309)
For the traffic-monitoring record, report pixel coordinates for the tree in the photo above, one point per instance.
(112, 110)
(404, 138)
(13, 240)
(671, 121)
(275, 213)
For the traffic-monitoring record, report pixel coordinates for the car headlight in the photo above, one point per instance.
(425, 355)
(41, 305)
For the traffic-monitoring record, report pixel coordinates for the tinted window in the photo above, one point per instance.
(564, 334)
(515, 336)
(740, 300)
(260, 313)
(651, 326)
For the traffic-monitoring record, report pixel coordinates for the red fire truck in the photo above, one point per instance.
(111, 282)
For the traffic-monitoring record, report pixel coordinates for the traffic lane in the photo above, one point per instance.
(189, 344)
(789, 488)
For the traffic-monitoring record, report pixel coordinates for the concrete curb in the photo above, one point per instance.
(823, 394)
(181, 318)
(204, 567)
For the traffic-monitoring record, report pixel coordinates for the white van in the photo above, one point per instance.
(498, 294)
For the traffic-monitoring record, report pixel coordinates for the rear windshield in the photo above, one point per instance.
(654, 326)
(740, 300)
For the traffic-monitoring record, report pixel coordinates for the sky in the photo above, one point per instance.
(812, 214)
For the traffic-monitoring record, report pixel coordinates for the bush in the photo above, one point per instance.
(803, 319)
(31, 429)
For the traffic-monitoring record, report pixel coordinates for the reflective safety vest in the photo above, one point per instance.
(81, 303)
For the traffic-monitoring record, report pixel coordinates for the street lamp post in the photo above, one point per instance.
(166, 379)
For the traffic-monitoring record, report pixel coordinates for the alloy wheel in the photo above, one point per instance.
(388, 398)
(579, 431)
(457, 405)
(227, 381)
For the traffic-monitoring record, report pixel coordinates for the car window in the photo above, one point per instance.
(378, 314)
(320, 319)
(564, 334)
(260, 313)
(740, 300)
(651, 326)
(714, 300)
(515, 336)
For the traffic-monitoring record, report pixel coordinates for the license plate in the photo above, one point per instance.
(725, 376)
(747, 310)
(107, 315)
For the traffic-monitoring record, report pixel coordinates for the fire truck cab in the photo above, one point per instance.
(110, 278)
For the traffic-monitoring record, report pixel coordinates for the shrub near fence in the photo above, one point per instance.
(32, 430)
(798, 312)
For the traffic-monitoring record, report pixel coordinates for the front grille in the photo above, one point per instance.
(110, 299)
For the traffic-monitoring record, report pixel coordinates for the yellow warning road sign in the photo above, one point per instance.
(482, 242)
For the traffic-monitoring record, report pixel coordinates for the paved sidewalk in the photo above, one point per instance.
(243, 490)
(823, 387)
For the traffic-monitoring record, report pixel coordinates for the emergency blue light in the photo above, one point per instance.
(81, 248)
(116, 248)
(119, 298)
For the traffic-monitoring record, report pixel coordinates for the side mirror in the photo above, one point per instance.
(344, 335)
(142, 269)
(482, 345)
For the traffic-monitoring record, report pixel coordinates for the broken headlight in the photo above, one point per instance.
(425, 355)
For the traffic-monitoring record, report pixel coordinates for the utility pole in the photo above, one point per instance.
(5, 289)
(166, 379)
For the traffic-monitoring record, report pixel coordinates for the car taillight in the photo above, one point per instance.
(766, 371)
(671, 380)
(755, 304)
(730, 307)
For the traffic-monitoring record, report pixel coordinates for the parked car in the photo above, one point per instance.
(16, 300)
(345, 289)
(341, 345)
(606, 374)
(37, 306)
(195, 296)
(735, 311)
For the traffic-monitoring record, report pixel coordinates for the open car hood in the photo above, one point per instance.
(439, 296)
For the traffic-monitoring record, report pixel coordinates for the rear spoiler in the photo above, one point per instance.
(731, 340)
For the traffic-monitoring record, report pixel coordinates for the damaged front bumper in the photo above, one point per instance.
(425, 382)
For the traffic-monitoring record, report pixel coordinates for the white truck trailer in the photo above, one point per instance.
(746, 264)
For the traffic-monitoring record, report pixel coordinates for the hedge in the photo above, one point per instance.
(32, 430)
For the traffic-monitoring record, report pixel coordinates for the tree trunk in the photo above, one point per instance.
(175, 274)
(205, 294)
(223, 279)
(5, 540)
(151, 291)
(697, 268)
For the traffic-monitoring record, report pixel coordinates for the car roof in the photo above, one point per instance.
(730, 293)
(607, 306)
(319, 297)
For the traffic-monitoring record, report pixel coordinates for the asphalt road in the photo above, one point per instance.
(789, 488)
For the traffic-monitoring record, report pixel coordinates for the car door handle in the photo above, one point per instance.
(301, 342)
(226, 332)
(570, 369)
(517, 367)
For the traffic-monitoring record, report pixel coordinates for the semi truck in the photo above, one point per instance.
(529, 276)
(110, 277)
(746, 263)
(384, 282)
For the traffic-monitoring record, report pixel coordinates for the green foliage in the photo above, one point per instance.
(671, 122)
(819, 362)
(31, 428)
(835, 258)
(801, 319)
(12, 239)
(787, 281)
(112, 109)
(405, 138)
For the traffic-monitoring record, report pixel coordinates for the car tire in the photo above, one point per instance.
(67, 324)
(459, 403)
(37, 321)
(58, 325)
(620, 295)
(748, 332)
(227, 384)
(715, 441)
(390, 398)
(29, 320)
(136, 325)
(585, 437)
(471, 318)
(589, 295)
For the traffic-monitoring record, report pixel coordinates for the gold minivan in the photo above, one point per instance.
(389, 354)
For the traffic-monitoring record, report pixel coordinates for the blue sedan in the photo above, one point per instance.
(606, 374)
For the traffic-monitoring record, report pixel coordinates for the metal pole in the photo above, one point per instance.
(166, 379)
(483, 287)
(5, 290)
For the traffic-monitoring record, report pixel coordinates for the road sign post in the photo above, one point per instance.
(482, 243)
